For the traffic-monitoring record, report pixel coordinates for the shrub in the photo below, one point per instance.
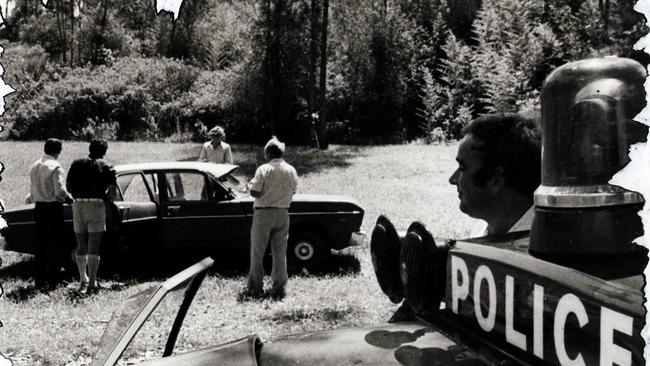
(449, 104)
(129, 93)
(97, 130)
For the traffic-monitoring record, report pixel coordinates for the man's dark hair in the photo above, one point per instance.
(53, 146)
(97, 149)
(511, 141)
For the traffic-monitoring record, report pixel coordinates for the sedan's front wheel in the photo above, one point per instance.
(305, 250)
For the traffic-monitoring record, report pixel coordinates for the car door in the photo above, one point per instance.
(198, 214)
(140, 226)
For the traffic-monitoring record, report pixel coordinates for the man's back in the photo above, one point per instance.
(43, 176)
(89, 178)
(277, 182)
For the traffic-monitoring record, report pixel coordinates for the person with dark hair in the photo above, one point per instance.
(88, 181)
(499, 168)
(48, 192)
(273, 187)
(216, 150)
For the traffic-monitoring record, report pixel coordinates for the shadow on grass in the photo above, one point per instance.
(306, 160)
(23, 269)
(338, 264)
(134, 269)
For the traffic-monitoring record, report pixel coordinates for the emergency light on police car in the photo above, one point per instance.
(587, 121)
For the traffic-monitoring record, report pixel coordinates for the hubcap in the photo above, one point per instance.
(303, 250)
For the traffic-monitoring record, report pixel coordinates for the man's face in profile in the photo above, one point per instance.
(475, 199)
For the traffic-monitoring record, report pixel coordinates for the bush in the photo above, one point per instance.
(97, 130)
(448, 105)
(132, 94)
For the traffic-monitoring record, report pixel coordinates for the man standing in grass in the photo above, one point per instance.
(216, 150)
(273, 187)
(48, 192)
(88, 181)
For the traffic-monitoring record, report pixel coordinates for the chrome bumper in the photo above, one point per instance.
(358, 238)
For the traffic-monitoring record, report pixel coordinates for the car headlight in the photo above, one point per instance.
(423, 268)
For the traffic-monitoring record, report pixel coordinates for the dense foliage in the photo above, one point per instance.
(395, 70)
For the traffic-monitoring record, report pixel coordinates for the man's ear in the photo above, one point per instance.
(498, 180)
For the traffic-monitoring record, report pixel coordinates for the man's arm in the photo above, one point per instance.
(70, 179)
(58, 183)
(295, 181)
(203, 155)
(228, 156)
(257, 183)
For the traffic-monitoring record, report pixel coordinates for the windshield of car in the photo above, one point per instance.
(237, 185)
(141, 326)
(120, 322)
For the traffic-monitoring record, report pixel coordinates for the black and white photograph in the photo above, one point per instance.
(324, 182)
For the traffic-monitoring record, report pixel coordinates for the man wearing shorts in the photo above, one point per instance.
(88, 182)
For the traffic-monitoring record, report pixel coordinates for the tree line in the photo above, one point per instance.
(310, 71)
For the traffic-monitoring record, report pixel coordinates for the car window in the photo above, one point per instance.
(237, 187)
(133, 188)
(186, 186)
(152, 179)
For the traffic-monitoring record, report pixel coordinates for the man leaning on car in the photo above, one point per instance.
(48, 192)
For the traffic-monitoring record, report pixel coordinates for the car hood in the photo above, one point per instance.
(412, 343)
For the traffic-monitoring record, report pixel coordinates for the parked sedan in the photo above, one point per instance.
(201, 208)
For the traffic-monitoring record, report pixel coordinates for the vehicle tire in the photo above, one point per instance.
(305, 250)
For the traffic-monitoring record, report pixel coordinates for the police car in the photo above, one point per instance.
(569, 292)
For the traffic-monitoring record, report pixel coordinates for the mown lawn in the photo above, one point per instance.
(406, 183)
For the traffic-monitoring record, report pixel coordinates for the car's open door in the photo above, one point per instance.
(133, 312)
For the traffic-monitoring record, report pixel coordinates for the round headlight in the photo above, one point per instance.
(385, 252)
(423, 269)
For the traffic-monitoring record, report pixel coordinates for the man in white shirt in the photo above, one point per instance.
(273, 187)
(215, 150)
(48, 192)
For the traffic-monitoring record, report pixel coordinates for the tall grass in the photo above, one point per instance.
(406, 183)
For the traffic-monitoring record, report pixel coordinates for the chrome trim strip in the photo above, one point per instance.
(585, 196)
(327, 213)
(203, 217)
(138, 219)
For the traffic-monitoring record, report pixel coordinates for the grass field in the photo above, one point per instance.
(406, 183)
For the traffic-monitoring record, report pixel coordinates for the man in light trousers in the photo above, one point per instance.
(273, 187)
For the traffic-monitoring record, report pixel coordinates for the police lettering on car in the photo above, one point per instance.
(547, 322)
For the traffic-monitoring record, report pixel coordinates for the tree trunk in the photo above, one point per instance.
(72, 33)
(268, 65)
(61, 25)
(322, 116)
(313, 53)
